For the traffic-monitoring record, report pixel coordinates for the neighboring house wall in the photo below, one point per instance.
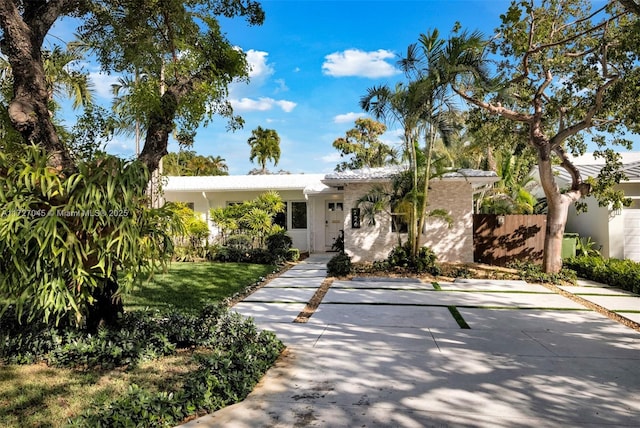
(616, 233)
(594, 223)
(452, 244)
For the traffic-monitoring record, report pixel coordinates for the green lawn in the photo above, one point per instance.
(192, 285)
(38, 395)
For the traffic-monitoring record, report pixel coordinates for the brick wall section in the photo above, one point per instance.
(455, 244)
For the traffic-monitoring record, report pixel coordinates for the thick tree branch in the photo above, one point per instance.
(161, 123)
(28, 109)
(41, 15)
(499, 109)
(578, 187)
(588, 119)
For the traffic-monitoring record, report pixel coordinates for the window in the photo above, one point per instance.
(399, 221)
(190, 205)
(281, 218)
(335, 206)
(298, 215)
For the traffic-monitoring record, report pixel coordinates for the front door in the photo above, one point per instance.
(334, 222)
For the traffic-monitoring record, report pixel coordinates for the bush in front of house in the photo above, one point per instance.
(279, 244)
(615, 272)
(424, 262)
(339, 265)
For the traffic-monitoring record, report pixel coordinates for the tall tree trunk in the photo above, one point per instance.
(413, 223)
(558, 207)
(425, 191)
(557, 204)
(21, 43)
(107, 307)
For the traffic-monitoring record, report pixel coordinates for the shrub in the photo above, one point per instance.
(278, 246)
(278, 242)
(532, 272)
(63, 237)
(261, 256)
(424, 262)
(339, 265)
(235, 357)
(615, 272)
(293, 255)
(240, 242)
(239, 357)
(229, 254)
(338, 243)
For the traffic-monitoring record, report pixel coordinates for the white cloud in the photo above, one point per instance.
(259, 69)
(261, 104)
(102, 83)
(282, 86)
(355, 62)
(347, 117)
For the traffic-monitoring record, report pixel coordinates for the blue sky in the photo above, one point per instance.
(311, 62)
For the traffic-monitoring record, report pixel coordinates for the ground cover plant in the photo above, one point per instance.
(156, 367)
(618, 273)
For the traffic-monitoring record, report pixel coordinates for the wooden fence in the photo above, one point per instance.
(500, 239)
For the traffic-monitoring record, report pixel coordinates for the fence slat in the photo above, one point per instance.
(500, 239)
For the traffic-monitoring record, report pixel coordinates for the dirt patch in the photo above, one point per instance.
(314, 302)
(595, 307)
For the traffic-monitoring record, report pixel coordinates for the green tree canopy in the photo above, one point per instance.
(189, 163)
(265, 146)
(181, 64)
(564, 70)
(363, 147)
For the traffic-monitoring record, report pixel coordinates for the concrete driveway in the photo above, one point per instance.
(390, 353)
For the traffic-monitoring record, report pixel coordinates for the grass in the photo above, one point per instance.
(37, 395)
(192, 285)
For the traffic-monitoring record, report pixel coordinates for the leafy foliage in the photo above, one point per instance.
(233, 358)
(562, 69)
(190, 233)
(62, 239)
(424, 262)
(265, 145)
(247, 225)
(511, 194)
(339, 265)
(363, 146)
(534, 273)
(188, 163)
(618, 273)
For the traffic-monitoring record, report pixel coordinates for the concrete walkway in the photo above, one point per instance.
(389, 353)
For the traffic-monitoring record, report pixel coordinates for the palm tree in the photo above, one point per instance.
(265, 145)
(62, 79)
(425, 109)
(510, 195)
(401, 105)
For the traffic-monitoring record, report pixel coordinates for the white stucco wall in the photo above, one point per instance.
(455, 244)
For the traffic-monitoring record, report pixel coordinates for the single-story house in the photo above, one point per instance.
(616, 231)
(321, 206)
